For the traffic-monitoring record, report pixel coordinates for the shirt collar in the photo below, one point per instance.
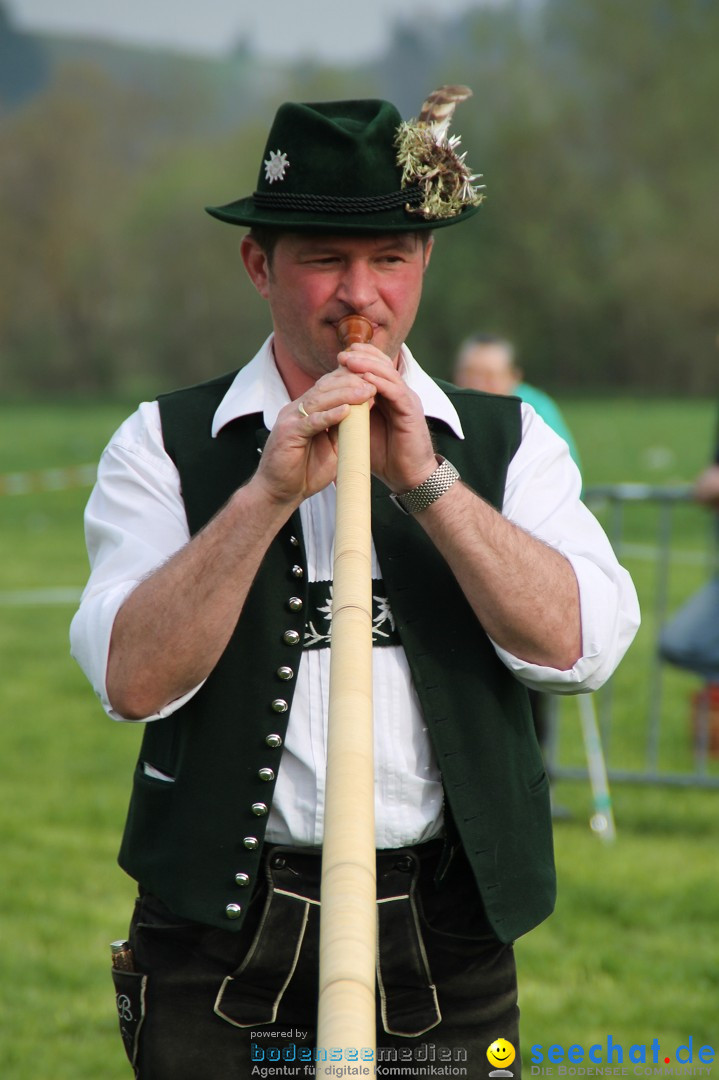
(258, 388)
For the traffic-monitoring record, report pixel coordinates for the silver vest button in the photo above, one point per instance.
(297, 572)
(266, 775)
(233, 911)
(243, 880)
(295, 603)
(291, 637)
(294, 541)
(251, 843)
(285, 673)
(259, 809)
(274, 741)
(279, 705)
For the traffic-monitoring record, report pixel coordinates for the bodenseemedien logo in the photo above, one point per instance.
(501, 1054)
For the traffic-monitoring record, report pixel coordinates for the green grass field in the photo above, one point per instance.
(632, 950)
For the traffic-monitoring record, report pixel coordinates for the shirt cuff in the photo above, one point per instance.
(609, 616)
(575, 680)
(90, 635)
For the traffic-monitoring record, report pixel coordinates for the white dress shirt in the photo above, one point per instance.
(135, 520)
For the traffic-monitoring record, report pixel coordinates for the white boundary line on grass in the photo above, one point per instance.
(33, 597)
(24, 483)
(686, 556)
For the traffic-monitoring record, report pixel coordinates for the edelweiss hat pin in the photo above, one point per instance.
(353, 166)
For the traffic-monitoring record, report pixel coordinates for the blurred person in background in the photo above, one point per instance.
(690, 637)
(488, 362)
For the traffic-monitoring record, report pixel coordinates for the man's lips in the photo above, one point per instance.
(334, 323)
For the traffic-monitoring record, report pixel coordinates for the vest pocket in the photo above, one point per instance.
(538, 782)
(154, 773)
(130, 989)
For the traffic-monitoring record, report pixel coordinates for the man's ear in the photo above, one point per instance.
(428, 250)
(256, 264)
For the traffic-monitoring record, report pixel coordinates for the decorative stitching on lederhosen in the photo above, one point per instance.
(251, 995)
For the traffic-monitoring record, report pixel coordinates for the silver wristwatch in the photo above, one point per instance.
(422, 496)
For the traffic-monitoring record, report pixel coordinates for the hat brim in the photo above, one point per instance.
(245, 212)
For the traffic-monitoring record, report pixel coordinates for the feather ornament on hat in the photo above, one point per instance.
(428, 157)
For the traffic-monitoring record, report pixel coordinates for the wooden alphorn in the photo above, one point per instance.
(348, 919)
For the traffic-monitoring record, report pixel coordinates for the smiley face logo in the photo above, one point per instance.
(501, 1053)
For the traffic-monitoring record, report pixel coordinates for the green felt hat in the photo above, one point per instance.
(335, 166)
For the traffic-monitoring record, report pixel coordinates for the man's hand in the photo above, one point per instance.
(401, 445)
(300, 456)
(523, 592)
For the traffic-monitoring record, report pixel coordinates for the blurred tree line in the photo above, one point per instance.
(593, 124)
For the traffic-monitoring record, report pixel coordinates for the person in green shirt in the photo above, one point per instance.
(486, 362)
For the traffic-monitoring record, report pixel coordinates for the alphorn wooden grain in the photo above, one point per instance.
(348, 920)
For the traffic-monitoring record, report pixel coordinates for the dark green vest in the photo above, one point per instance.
(190, 842)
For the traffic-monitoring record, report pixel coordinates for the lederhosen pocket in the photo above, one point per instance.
(131, 986)
(130, 990)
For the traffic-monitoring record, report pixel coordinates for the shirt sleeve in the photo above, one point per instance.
(542, 496)
(134, 521)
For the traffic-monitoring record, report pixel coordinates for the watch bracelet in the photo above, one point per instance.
(419, 498)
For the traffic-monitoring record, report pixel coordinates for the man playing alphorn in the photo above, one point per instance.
(208, 612)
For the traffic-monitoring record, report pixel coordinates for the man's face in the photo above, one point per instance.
(313, 281)
(486, 367)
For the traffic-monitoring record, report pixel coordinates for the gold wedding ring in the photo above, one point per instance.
(302, 410)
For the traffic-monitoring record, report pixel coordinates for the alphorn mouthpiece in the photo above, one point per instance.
(354, 328)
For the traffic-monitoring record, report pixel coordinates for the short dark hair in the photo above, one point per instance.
(266, 237)
(488, 339)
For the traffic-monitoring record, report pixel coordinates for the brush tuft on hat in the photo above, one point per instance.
(428, 157)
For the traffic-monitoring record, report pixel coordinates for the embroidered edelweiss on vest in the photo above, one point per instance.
(276, 166)
(318, 631)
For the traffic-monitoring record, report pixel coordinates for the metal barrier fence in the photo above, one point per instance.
(611, 504)
(657, 549)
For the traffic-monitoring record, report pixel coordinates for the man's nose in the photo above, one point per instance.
(357, 287)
